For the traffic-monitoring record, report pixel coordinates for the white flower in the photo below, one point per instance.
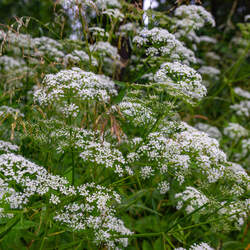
(195, 13)
(104, 4)
(54, 199)
(209, 70)
(90, 209)
(93, 150)
(35, 47)
(8, 147)
(9, 111)
(159, 42)
(201, 246)
(212, 131)
(208, 39)
(163, 187)
(98, 32)
(136, 111)
(70, 110)
(242, 108)
(128, 27)
(146, 172)
(237, 212)
(114, 14)
(197, 246)
(235, 131)
(193, 197)
(75, 84)
(181, 80)
(8, 63)
(83, 56)
(213, 56)
(105, 48)
(245, 146)
(241, 92)
(246, 18)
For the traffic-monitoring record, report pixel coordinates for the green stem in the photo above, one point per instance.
(83, 21)
(73, 166)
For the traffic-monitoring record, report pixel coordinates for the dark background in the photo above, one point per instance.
(44, 9)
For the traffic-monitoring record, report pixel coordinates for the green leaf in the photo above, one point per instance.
(120, 96)
(158, 244)
(7, 228)
(26, 224)
(233, 245)
(146, 245)
(147, 209)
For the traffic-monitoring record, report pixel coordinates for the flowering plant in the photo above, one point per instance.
(97, 146)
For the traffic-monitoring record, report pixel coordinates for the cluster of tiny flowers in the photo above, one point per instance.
(79, 56)
(195, 16)
(33, 179)
(103, 154)
(209, 70)
(98, 32)
(163, 187)
(201, 246)
(105, 4)
(126, 28)
(189, 19)
(245, 147)
(20, 40)
(197, 246)
(9, 111)
(92, 150)
(8, 63)
(177, 153)
(72, 6)
(74, 84)
(181, 80)
(237, 211)
(91, 209)
(239, 173)
(133, 110)
(207, 39)
(241, 92)
(185, 29)
(36, 47)
(191, 196)
(70, 110)
(73, 3)
(193, 140)
(212, 131)
(8, 147)
(159, 42)
(105, 49)
(242, 108)
(213, 56)
(114, 14)
(146, 172)
(235, 131)
(12, 71)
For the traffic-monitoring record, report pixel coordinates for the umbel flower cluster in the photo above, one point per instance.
(181, 80)
(87, 206)
(159, 42)
(99, 145)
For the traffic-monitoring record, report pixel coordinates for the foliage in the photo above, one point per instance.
(116, 134)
